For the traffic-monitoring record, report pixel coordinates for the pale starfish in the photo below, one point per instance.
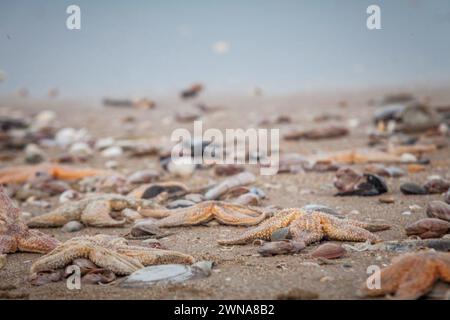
(310, 227)
(14, 233)
(20, 174)
(411, 275)
(94, 210)
(109, 252)
(224, 213)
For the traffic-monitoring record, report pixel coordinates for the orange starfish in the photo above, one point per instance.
(15, 235)
(20, 174)
(411, 275)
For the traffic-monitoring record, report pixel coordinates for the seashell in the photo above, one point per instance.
(436, 186)
(428, 228)
(194, 197)
(328, 251)
(180, 203)
(412, 188)
(439, 210)
(2, 260)
(34, 154)
(250, 199)
(182, 170)
(69, 195)
(43, 278)
(387, 199)
(447, 196)
(72, 226)
(112, 152)
(320, 208)
(143, 176)
(298, 294)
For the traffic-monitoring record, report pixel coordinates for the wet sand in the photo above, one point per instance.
(239, 272)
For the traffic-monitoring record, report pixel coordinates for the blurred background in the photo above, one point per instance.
(144, 47)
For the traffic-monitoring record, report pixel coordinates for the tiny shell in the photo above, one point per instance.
(329, 251)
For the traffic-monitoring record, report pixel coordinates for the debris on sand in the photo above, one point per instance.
(350, 182)
(410, 276)
(141, 103)
(428, 228)
(14, 233)
(442, 244)
(241, 179)
(439, 210)
(298, 294)
(410, 188)
(169, 273)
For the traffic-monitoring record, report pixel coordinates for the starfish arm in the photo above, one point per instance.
(197, 214)
(373, 227)
(245, 210)
(150, 256)
(36, 241)
(97, 214)
(307, 228)
(60, 258)
(118, 263)
(346, 232)
(8, 244)
(443, 266)
(235, 216)
(265, 229)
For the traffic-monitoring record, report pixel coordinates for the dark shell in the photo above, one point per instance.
(329, 251)
(439, 210)
(412, 188)
(428, 228)
(437, 186)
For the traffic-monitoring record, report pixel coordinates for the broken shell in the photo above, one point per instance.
(240, 179)
(428, 228)
(228, 170)
(436, 186)
(329, 251)
(280, 234)
(412, 188)
(438, 209)
(180, 203)
(69, 195)
(151, 191)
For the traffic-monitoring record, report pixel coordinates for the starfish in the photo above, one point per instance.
(20, 174)
(94, 210)
(14, 233)
(224, 213)
(411, 275)
(109, 252)
(310, 227)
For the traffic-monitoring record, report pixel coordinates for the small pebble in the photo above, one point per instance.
(412, 188)
(387, 199)
(72, 226)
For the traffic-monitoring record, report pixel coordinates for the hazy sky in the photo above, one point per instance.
(145, 47)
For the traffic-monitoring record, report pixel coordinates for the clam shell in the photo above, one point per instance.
(329, 251)
(439, 210)
(428, 228)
